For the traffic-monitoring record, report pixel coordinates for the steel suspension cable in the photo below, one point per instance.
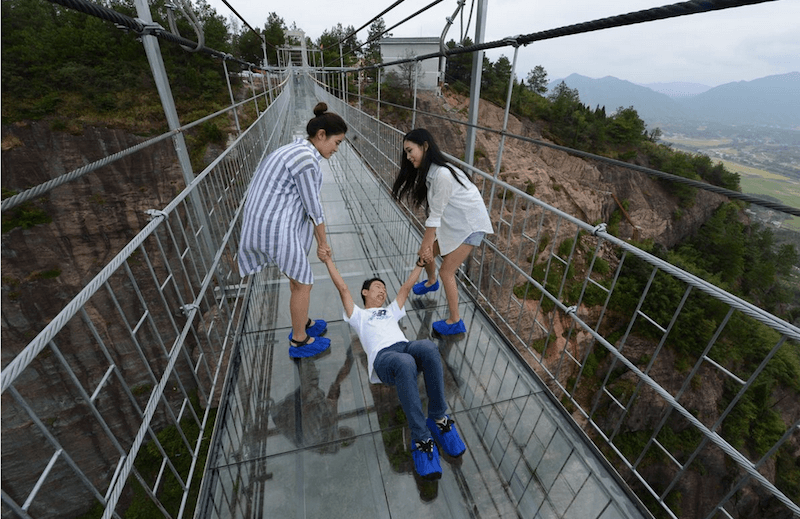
(135, 25)
(776, 206)
(398, 2)
(647, 15)
(401, 22)
(260, 37)
(39, 190)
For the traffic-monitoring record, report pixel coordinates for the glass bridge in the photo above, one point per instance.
(165, 389)
(313, 438)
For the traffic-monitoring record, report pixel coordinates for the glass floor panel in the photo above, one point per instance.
(313, 438)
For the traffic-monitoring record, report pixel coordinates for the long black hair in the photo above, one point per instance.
(410, 182)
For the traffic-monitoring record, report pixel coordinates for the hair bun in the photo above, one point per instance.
(320, 109)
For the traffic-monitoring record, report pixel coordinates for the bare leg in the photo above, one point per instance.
(430, 267)
(447, 272)
(298, 308)
(430, 270)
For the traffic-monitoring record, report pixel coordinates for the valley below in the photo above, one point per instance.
(766, 159)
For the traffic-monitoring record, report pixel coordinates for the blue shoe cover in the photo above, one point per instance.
(447, 437)
(420, 288)
(426, 459)
(315, 330)
(318, 328)
(319, 345)
(449, 329)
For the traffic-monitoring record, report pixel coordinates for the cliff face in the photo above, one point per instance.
(592, 192)
(43, 268)
(589, 191)
(92, 218)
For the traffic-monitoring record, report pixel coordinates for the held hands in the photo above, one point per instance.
(324, 253)
(426, 254)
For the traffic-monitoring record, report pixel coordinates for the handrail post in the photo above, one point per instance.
(499, 161)
(233, 99)
(475, 84)
(153, 52)
(414, 101)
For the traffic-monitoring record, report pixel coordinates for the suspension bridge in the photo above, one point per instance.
(190, 371)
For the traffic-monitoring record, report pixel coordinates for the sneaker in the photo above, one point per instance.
(306, 349)
(421, 288)
(314, 328)
(447, 436)
(426, 459)
(443, 328)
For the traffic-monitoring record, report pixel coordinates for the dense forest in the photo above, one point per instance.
(73, 70)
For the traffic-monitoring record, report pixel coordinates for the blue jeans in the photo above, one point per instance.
(398, 365)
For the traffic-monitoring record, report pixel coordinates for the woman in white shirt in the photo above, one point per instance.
(457, 217)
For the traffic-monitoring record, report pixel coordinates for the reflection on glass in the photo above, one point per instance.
(309, 417)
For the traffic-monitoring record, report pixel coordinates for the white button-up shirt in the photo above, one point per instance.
(457, 211)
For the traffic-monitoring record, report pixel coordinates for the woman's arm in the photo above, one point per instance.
(308, 178)
(323, 249)
(426, 248)
(439, 193)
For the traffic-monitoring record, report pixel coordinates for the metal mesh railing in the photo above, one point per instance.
(162, 314)
(667, 373)
(647, 357)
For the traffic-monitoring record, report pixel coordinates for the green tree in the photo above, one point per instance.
(626, 127)
(565, 114)
(537, 80)
(58, 62)
(329, 43)
(458, 70)
(410, 71)
(372, 47)
(275, 36)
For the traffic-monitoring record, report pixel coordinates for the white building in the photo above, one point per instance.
(393, 49)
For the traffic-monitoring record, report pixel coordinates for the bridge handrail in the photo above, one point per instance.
(384, 161)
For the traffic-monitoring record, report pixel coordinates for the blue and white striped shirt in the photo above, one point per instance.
(281, 211)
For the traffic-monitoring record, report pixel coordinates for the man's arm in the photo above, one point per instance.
(341, 286)
(402, 294)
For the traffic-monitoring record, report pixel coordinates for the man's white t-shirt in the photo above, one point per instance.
(378, 329)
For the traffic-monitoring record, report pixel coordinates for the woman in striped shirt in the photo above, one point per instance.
(283, 212)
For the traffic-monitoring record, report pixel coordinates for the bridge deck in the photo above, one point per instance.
(313, 438)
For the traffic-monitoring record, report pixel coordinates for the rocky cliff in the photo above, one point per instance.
(591, 191)
(46, 265)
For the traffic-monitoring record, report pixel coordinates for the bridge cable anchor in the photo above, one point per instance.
(600, 228)
(189, 307)
(155, 213)
(148, 29)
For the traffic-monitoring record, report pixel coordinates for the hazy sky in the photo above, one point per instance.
(737, 44)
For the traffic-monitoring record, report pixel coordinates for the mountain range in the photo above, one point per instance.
(770, 101)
